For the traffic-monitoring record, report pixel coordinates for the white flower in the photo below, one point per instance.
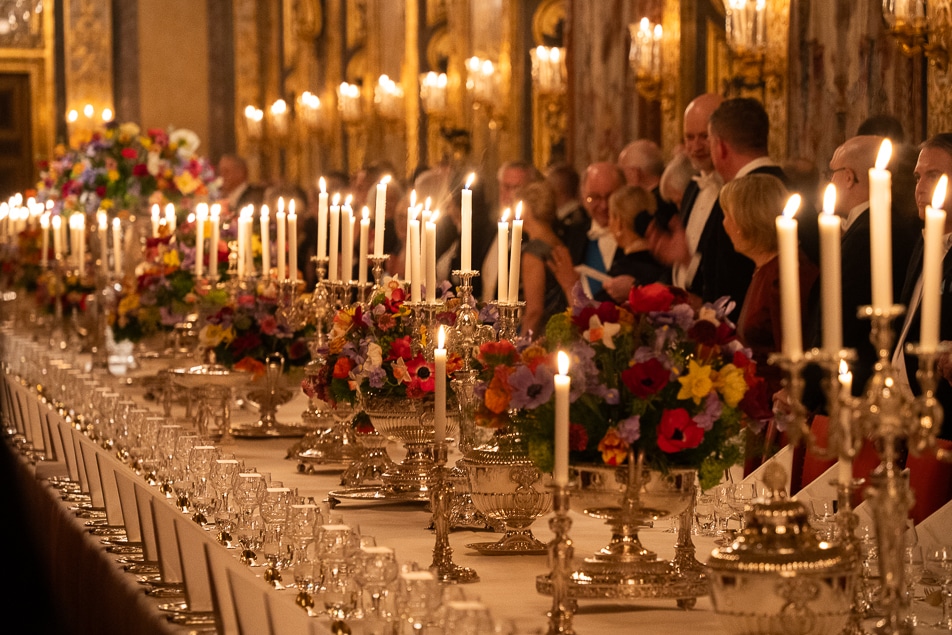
(154, 163)
(604, 332)
(129, 130)
(185, 142)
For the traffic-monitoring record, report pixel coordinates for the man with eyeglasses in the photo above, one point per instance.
(593, 245)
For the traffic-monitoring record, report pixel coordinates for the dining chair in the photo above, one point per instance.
(218, 559)
(249, 594)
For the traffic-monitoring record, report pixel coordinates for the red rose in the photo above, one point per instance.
(647, 378)
(101, 191)
(400, 348)
(342, 368)
(578, 437)
(650, 297)
(128, 153)
(140, 169)
(607, 313)
(677, 431)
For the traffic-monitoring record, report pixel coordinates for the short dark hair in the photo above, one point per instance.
(883, 125)
(743, 123)
(940, 141)
(564, 177)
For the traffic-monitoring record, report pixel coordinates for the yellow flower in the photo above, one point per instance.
(128, 304)
(77, 170)
(613, 448)
(171, 258)
(145, 141)
(731, 384)
(186, 183)
(112, 175)
(106, 203)
(697, 384)
(212, 335)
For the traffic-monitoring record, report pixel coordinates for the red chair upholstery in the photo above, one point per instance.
(931, 482)
(807, 466)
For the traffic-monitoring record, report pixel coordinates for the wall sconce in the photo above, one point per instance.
(86, 120)
(348, 103)
(388, 98)
(645, 58)
(309, 110)
(746, 26)
(433, 93)
(548, 69)
(253, 118)
(908, 21)
(481, 82)
(278, 119)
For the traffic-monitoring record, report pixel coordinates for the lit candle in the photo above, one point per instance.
(880, 228)
(831, 282)
(266, 239)
(430, 254)
(280, 222)
(380, 216)
(117, 246)
(201, 216)
(347, 242)
(439, 369)
(322, 220)
(563, 384)
(364, 239)
(790, 279)
(155, 220)
(57, 223)
(213, 247)
(845, 463)
(416, 276)
(407, 258)
(292, 241)
(103, 223)
(502, 257)
(466, 226)
(334, 249)
(932, 267)
(515, 256)
(45, 225)
(170, 218)
(79, 224)
(242, 237)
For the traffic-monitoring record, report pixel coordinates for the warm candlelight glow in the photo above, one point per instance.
(441, 338)
(505, 215)
(844, 370)
(829, 199)
(365, 213)
(385, 180)
(518, 210)
(336, 199)
(885, 153)
(323, 185)
(792, 206)
(470, 180)
(563, 363)
(412, 198)
(938, 196)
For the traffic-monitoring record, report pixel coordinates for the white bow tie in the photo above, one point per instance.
(596, 231)
(712, 179)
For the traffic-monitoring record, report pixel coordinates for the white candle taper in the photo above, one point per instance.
(362, 250)
(790, 279)
(831, 280)
(213, 246)
(880, 228)
(333, 273)
(292, 242)
(380, 215)
(502, 257)
(322, 220)
(563, 384)
(515, 256)
(466, 225)
(932, 268)
(266, 239)
(439, 370)
(117, 246)
(844, 463)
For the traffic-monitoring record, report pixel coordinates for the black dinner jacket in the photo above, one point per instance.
(944, 389)
(857, 292)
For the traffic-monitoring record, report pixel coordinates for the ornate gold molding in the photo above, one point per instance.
(247, 78)
(940, 82)
(88, 54)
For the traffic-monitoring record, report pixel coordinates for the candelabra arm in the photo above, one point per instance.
(561, 552)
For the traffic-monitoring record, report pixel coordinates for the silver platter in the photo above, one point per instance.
(379, 494)
(495, 549)
(656, 580)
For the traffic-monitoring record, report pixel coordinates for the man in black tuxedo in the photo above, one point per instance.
(935, 159)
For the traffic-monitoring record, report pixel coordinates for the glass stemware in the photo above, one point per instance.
(275, 511)
(376, 571)
(913, 565)
(940, 565)
(704, 514)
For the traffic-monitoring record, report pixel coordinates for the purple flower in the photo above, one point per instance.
(377, 377)
(630, 429)
(711, 413)
(612, 397)
(489, 314)
(531, 390)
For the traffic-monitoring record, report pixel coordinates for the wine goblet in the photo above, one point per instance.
(940, 564)
(376, 571)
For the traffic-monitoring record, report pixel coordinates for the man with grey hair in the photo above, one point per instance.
(642, 162)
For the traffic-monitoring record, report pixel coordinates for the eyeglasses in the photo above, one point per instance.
(591, 198)
(830, 172)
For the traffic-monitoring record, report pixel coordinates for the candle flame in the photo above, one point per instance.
(323, 185)
(793, 204)
(470, 180)
(116, 223)
(412, 198)
(426, 203)
(434, 217)
(885, 153)
(844, 368)
(441, 338)
(103, 219)
(291, 213)
(505, 215)
(365, 213)
(280, 204)
(45, 220)
(57, 222)
(938, 196)
(518, 210)
(385, 180)
(336, 200)
(265, 212)
(347, 201)
(829, 199)
(563, 363)
(216, 210)
(155, 210)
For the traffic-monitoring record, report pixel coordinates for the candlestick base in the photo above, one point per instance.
(441, 502)
(561, 551)
(510, 318)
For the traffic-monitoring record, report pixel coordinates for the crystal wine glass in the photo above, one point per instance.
(376, 571)
(940, 564)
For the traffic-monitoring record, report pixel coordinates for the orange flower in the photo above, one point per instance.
(251, 365)
(613, 448)
(498, 393)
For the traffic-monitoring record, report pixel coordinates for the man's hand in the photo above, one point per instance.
(560, 263)
(669, 246)
(618, 287)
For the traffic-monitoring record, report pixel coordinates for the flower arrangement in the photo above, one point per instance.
(161, 295)
(122, 168)
(69, 290)
(372, 351)
(657, 375)
(244, 329)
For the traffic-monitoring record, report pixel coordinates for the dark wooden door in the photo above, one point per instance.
(16, 143)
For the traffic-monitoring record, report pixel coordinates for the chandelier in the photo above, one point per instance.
(917, 32)
(645, 57)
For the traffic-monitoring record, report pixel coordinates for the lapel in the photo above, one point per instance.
(687, 202)
(915, 269)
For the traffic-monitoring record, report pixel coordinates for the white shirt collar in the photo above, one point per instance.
(759, 162)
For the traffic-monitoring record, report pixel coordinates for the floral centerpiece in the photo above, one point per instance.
(657, 375)
(372, 350)
(244, 329)
(69, 290)
(121, 168)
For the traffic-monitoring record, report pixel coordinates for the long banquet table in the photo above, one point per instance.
(93, 594)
